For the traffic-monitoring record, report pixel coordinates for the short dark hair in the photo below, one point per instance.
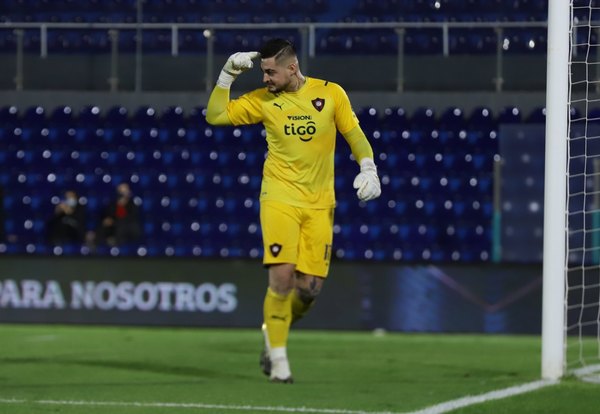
(278, 48)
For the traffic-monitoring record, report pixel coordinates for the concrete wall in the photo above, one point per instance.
(188, 73)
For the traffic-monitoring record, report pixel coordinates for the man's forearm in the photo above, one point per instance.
(216, 111)
(359, 144)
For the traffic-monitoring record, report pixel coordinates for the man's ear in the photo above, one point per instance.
(293, 67)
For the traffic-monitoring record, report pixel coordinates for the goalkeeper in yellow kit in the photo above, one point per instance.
(301, 116)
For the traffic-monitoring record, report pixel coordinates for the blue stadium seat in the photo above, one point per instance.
(453, 119)
(530, 40)
(10, 131)
(395, 118)
(89, 116)
(9, 116)
(509, 115)
(423, 119)
(423, 41)
(369, 119)
(66, 40)
(116, 116)
(196, 118)
(481, 118)
(537, 115)
(472, 41)
(145, 115)
(61, 131)
(34, 116)
(7, 38)
(172, 117)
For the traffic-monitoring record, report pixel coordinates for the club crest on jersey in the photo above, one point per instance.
(318, 103)
(275, 249)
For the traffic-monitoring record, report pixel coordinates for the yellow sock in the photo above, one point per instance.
(278, 316)
(299, 307)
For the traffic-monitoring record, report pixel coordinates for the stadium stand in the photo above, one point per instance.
(197, 186)
(329, 41)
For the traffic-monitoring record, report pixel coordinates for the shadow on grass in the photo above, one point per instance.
(197, 373)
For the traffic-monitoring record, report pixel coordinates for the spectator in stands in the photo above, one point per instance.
(121, 221)
(302, 116)
(67, 225)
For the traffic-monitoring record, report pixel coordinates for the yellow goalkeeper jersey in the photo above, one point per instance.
(301, 133)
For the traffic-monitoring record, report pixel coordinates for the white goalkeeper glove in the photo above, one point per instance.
(367, 182)
(236, 64)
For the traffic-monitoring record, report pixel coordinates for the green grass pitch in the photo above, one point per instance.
(52, 369)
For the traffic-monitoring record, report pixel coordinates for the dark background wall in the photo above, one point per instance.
(163, 72)
(184, 292)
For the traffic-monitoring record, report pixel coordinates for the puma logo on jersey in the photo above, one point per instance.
(280, 106)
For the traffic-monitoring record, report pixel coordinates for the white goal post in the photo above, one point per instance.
(555, 194)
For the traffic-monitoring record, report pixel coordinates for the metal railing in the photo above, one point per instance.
(307, 47)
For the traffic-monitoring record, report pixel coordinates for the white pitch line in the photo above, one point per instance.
(493, 395)
(590, 373)
(590, 369)
(12, 401)
(434, 409)
(192, 405)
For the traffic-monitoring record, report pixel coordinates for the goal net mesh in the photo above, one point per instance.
(582, 299)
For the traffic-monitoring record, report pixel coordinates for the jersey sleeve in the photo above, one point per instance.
(345, 119)
(359, 144)
(247, 109)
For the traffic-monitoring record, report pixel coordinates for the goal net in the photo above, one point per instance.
(582, 273)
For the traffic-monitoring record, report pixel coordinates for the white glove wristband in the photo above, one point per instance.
(367, 164)
(225, 79)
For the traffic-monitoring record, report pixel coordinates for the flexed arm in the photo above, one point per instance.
(216, 111)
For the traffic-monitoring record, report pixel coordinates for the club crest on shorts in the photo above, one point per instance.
(275, 249)
(318, 103)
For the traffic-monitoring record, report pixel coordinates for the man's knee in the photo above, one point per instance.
(281, 278)
(308, 287)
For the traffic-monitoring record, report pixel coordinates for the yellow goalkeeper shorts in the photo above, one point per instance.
(297, 235)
